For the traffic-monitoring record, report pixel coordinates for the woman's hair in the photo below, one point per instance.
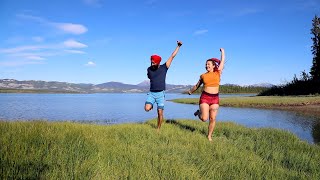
(215, 62)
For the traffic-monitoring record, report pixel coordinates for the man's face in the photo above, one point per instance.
(154, 65)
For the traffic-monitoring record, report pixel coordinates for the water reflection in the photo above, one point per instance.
(316, 132)
(128, 108)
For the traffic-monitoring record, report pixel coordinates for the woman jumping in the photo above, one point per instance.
(209, 99)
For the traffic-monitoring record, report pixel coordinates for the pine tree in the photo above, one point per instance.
(315, 31)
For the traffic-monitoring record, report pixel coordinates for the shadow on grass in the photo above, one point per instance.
(182, 126)
(153, 125)
(27, 170)
(186, 127)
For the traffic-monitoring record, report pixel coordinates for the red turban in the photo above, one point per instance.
(156, 59)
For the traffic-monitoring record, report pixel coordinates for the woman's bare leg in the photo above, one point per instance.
(212, 123)
(204, 110)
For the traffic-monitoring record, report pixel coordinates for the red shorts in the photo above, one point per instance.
(209, 98)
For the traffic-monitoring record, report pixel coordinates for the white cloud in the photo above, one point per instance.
(30, 54)
(74, 51)
(35, 57)
(90, 63)
(19, 63)
(38, 39)
(34, 48)
(23, 55)
(64, 27)
(73, 44)
(22, 39)
(33, 18)
(21, 49)
(71, 28)
(40, 52)
(200, 32)
(36, 53)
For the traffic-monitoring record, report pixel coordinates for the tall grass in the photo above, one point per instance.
(33, 150)
(306, 105)
(260, 101)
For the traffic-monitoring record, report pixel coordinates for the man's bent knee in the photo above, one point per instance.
(147, 107)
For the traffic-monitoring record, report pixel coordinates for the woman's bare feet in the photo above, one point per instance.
(196, 113)
(209, 138)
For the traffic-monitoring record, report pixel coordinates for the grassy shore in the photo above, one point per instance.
(308, 105)
(63, 150)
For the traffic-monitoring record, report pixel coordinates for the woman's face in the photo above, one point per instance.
(209, 66)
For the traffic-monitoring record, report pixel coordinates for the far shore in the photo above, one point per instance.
(306, 105)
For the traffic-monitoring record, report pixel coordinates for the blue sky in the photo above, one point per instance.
(97, 41)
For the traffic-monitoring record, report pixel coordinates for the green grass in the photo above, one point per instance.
(260, 101)
(63, 150)
(306, 105)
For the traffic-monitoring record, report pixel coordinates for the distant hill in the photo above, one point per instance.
(267, 85)
(45, 85)
(117, 87)
(108, 87)
(12, 85)
(144, 83)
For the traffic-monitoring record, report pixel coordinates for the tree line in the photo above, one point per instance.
(236, 89)
(307, 83)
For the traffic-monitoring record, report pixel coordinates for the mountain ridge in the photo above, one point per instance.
(107, 87)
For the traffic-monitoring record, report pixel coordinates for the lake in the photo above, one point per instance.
(115, 108)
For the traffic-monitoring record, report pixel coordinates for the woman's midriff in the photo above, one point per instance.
(211, 90)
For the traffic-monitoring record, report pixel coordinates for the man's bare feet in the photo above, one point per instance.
(209, 138)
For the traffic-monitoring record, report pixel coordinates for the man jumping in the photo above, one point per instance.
(157, 75)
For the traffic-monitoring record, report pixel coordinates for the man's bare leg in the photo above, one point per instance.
(160, 118)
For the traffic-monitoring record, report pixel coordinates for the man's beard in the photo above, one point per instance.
(154, 67)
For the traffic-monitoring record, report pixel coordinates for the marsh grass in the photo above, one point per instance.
(306, 105)
(260, 101)
(64, 150)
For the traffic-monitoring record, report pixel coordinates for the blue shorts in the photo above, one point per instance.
(156, 97)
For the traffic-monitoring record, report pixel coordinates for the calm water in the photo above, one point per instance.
(129, 108)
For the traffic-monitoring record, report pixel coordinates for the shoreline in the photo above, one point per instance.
(306, 105)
